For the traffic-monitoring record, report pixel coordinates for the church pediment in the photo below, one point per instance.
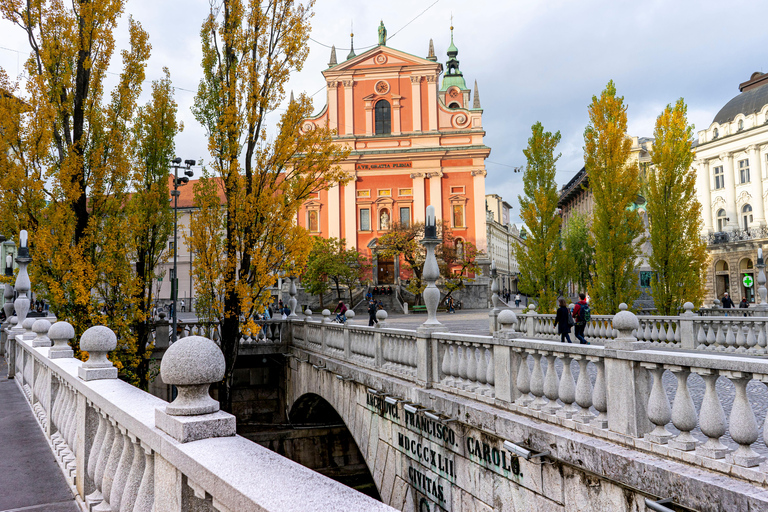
(380, 57)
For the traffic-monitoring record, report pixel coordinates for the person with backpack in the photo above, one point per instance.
(563, 321)
(582, 315)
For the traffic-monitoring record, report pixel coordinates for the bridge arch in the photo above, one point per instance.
(340, 457)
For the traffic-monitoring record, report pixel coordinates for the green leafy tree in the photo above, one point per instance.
(457, 260)
(324, 264)
(616, 228)
(674, 214)
(541, 258)
(580, 253)
(402, 241)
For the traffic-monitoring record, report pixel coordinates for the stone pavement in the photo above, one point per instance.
(30, 478)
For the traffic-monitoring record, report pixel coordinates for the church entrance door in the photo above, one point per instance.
(385, 271)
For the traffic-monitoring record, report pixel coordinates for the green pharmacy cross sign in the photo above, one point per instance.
(748, 281)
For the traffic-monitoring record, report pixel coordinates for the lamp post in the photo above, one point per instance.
(177, 182)
(431, 272)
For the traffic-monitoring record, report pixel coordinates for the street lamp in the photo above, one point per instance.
(177, 182)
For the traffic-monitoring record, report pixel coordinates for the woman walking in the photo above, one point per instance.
(563, 321)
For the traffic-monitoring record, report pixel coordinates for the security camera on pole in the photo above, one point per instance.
(177, 182)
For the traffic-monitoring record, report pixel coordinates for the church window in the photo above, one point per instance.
(719, 178)
(383, 116)
(744, 171)
(365, 219)
(722, 220)
(313, 221)
(454, 105)
(405, 216)
(458, 216)
(746, 215)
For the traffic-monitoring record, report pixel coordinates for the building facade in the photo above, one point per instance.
(731, 160)
(415, 140)
(502, 239)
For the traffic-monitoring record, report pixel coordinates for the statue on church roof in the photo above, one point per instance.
(382, 34)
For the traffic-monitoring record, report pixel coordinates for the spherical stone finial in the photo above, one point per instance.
(40, 328)
(326, 316)
(531, 308)
(98, 341)
(61, 333)
(625, 322)
(688, 307)
(350, 314)
(381, 315)
(27, 326)
(192, 364)
(507, 320)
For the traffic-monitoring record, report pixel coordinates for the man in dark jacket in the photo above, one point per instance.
(727, 302)
(372, 313)
(579, 317)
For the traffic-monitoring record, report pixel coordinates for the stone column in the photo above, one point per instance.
(505, 360)
(756, 167)
(333, 106)
(730, 191)
(22, 283)
(416, 103)
(349, 118)
(627, 385)
(436, 193)
(350, 214)
(334, 214)
(432, 99)
(704, 182)
(418, 196)
(478, 202)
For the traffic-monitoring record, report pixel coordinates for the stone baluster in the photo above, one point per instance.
(658, 410)
(537, 383)
(103, 457)
(490, 369)
(445, 368)
(598, 396)
(584, 392)
(551, 386)
(567, 389)
(95, 497)
(523, 380)
(292, 301)
(145, 497)
(711, 417)
(462, 365)
(122, 472)
(133, 480)
(110, 468)
(742, 424)
(683, 412)
(469, 353)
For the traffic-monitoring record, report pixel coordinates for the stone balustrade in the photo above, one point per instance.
(122, 449)
(612, 390)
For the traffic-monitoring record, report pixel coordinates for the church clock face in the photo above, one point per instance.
(381, 87)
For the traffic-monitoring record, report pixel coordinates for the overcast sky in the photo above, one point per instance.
(534, 60)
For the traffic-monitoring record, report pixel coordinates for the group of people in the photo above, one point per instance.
(578, 318)
(727, 303)
(379, 291)
(373, 307)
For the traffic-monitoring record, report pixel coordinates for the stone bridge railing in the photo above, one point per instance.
(122, 449)
(613, 391)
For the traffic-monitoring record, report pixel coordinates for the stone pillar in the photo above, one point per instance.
(756, 167)
(494, 313)
(192, 364)
(627, 384)
(333, 106)
(504, 359)
(350, 214)
(292, 301)
(432, 102)
(531, 321)
(687, 338)
(349, 118)
(478, 202)
(730, 191)
(704, 183)
(416, 103)
(334, 214)
(431, 271)
(436, 193)
(418, 196)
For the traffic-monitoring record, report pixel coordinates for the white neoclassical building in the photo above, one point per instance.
(732, 161)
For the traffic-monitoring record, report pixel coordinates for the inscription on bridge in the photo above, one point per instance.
(432, 448)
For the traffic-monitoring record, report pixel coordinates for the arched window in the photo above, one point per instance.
(741, 124)
(715, 133)
(721, 220)
(383, 116)
(454, 105)
(746, 215)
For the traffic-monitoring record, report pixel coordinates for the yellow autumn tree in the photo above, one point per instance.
(674, 214)
(615, 182)
(70, 164)
(258, 180)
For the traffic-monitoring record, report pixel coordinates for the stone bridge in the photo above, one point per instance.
(517, 421)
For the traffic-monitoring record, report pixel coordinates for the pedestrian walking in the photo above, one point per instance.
(727, 302)
(451, 305)
(517, 300)
(582, 315)
(563, 321)
(372, 313)
(183, 306)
